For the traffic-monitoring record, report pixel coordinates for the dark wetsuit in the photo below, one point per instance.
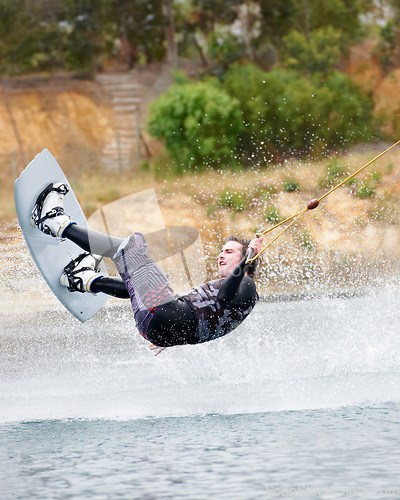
(205, 313)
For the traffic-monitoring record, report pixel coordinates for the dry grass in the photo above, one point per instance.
(96, 187)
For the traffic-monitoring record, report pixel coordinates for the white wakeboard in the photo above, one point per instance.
(50, 254)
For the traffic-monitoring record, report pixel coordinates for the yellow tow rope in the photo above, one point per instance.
(311, 205)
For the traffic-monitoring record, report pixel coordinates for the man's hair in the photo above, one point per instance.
(250, 268)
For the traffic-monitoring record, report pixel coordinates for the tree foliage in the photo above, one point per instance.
(319, 53)
(285, 112)
(300, 103)
(78, 34)
(140, 28)
(283, 16)
(81, 33)
(200, 124)
(22, 36)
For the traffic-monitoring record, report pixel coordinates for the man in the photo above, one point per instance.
(207, 312)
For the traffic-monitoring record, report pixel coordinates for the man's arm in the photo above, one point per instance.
(232, 285)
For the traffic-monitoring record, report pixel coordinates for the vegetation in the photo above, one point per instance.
(285, 54)
(290, 185)
(200, 124)
(334, 173)
(285, 112)
(389, 38)
(365, 191)
(272, 215)
(306, 241)
(78, 35)
(84, 34)
(319, 53)
(233, 199)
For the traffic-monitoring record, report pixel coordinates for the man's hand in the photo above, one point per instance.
(157, 349)
(256, 244)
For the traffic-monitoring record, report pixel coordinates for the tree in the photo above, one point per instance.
(286, 113)
(140, 26)
(47, 34)
(319, 53)
(20, 35)
(82, 25)
(170, 33)
(390, 37)
(198, 24)
(280, 17)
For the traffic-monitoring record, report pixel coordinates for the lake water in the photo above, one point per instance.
(301, 401)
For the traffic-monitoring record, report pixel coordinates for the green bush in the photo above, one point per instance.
(347, 112)
(352, 183)
(233, 199)
(200, 124)
(334, 173)
(272, 215)
(376, 176)
(365, 191)
(223, 48)
(306, 241)
(293, 113)
(291, 185)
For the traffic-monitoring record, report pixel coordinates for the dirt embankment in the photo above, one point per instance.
(70, 118)
(384, 87)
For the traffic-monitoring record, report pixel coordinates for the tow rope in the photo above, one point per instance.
(311, 205)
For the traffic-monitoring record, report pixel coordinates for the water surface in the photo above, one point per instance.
(301, 401)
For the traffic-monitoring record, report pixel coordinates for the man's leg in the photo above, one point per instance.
(48, 216)
(81, 274)
(147, 284)
(110, 286)
(92, 241)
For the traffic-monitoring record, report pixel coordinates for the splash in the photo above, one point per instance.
(322, 353)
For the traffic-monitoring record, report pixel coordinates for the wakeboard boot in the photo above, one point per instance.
(81, 272)
(48, 213)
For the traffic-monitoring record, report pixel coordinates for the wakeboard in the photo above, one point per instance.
(50, 254)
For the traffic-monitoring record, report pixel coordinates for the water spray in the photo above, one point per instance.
(311, 205)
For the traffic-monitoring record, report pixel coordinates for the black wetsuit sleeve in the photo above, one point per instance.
(237, 288)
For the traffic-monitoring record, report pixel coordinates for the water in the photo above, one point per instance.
(302, 401)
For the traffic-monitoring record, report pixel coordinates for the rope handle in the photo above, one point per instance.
(250, 255)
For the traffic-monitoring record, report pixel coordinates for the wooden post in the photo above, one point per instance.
(170, 33)
(119, 153)
(138, 139)
(14, 164)
(14, 125)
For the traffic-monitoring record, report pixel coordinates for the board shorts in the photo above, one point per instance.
(147, 284)
(161, 317)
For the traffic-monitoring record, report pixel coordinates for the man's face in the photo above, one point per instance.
(229, 258)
